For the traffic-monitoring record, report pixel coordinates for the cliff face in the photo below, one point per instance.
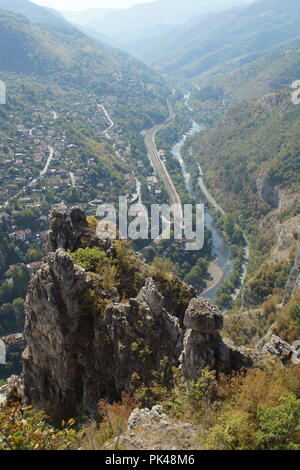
(267, 190)
(144, 338)
(61, 363)
(77, 354)
(293, 283)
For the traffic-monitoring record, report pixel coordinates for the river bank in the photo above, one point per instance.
(220, 267)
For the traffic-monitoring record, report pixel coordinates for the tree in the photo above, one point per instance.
(280, 425)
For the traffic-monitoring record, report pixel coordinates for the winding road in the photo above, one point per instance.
(111, 123)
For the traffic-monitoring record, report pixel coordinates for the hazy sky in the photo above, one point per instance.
(79, 5)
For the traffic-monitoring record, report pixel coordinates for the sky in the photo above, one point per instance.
(79, 5)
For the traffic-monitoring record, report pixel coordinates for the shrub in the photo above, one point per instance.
(25, 429)
(200, 393)
(113, 422)
(163, 268)
(260, 410)
(90, 259)
(279, 426)
(231, 432)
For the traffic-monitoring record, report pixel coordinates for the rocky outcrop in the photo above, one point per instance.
(83, 344)
(293, 283)
(13, 392)
(203, 345)
(276, 347)
(70, 230)
(144, 338)
(286, 240)
(65, 362)
(74, 355)
(153, 430)
(67, 228)
(77, 354)
(204, 317)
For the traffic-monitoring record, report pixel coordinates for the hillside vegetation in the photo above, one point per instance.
(223, 42)
(256, 139)
(69, 58)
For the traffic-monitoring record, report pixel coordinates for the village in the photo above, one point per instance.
(40, 165)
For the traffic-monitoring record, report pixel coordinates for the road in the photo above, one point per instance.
(111, 123)
(49, 160)
(214, 203)
(207, 193)
(158, 164)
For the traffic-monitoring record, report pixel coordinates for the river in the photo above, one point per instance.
(221, 267)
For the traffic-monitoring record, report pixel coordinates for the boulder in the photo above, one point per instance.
(279, 348)
(203, 316)
(151, 429)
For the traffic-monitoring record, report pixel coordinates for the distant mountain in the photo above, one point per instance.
(134, 23)
(66, 56)
(223, 42)
(83, 20)
(35, 13)
(103, 38)
(86, 17)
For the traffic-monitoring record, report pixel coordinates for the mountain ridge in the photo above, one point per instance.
(34, 12)
(223, 41)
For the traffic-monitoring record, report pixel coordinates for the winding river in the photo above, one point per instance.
(221, 267)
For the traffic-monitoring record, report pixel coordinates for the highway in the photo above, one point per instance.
(158, 165)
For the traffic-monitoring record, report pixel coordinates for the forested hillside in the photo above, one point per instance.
(256, 139)
(142, 20)
(223, 42)
(273, 71)
(69, 58)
